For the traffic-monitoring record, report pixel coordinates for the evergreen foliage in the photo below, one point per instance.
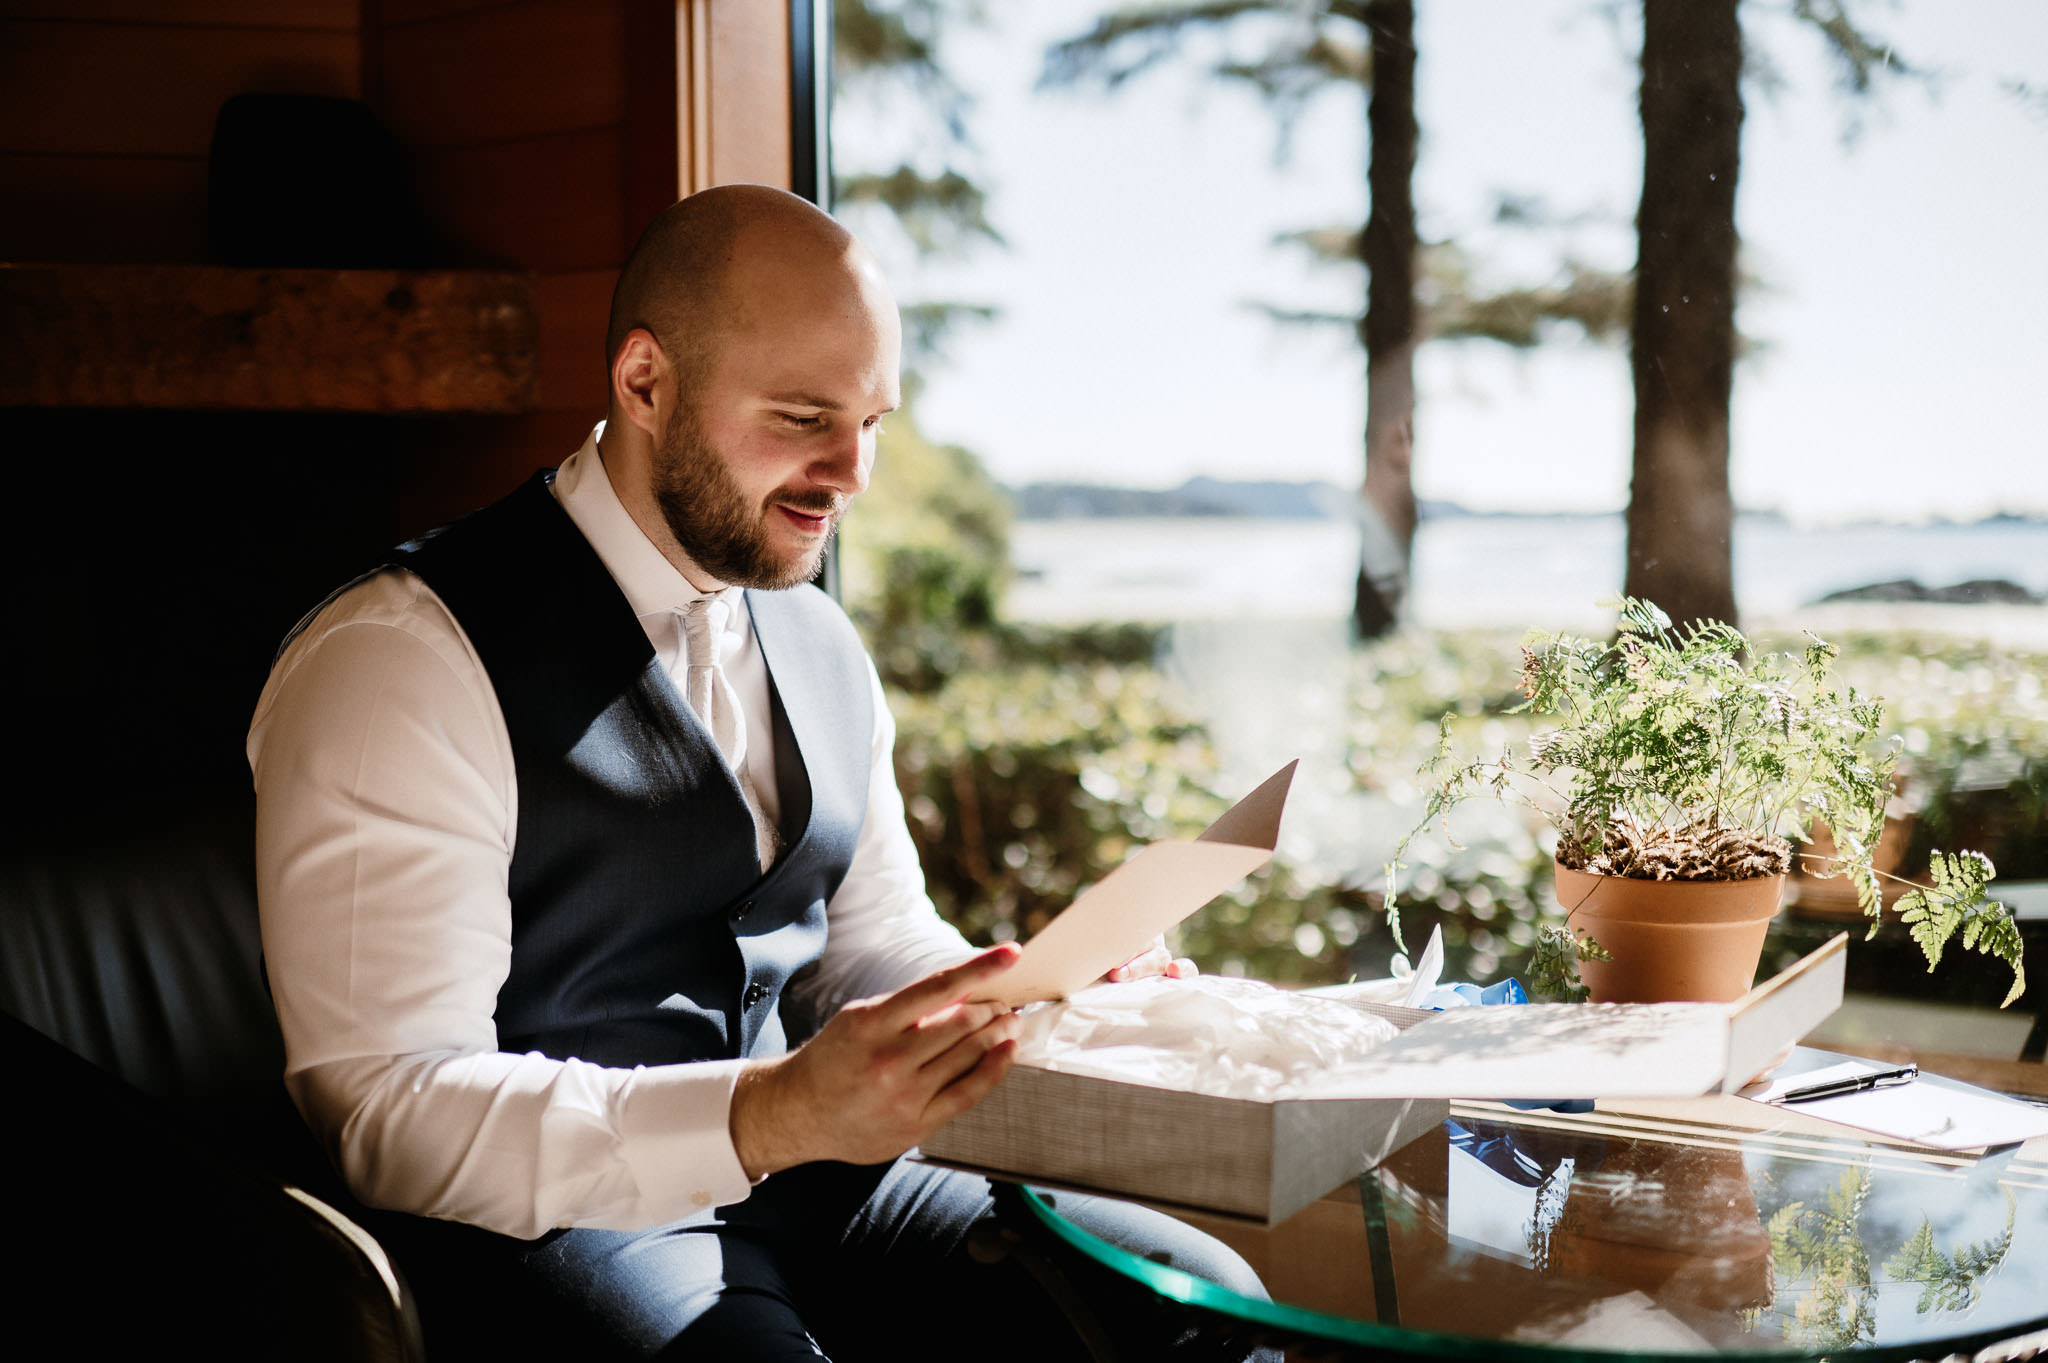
(1289, 54)
(1025, 785)
(912, 185)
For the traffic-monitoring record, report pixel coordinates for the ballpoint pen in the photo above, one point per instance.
(1854, 1083)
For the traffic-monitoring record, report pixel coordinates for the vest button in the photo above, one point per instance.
(755, 993)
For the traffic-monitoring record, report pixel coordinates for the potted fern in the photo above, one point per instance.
(1682, 770)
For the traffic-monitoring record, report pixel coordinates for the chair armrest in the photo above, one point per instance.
(139, 1235)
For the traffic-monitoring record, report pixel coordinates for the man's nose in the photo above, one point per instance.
(843, 464)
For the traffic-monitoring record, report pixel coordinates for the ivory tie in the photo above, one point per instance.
(711, 694)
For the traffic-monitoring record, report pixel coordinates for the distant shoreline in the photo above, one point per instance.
(1222, 499)
(1512, 570)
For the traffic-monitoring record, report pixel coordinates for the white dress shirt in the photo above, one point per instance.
(386, 813)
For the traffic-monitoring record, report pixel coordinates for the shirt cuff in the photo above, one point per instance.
(676, 1125)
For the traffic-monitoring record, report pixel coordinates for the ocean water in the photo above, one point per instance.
(1473, 570)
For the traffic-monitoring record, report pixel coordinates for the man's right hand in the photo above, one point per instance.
(881, 1076)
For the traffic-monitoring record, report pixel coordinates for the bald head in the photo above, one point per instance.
(754, 350)
(706, 260)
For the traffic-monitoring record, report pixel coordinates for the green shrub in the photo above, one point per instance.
(925, 555)
(1026, 785)
(1973, 717)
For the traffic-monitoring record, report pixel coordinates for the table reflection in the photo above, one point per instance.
(1672, 1221)
(1648, 1232)
(1705, 1227)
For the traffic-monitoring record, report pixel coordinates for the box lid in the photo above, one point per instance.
(1593, 1050)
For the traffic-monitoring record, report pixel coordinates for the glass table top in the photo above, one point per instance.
(1666, 1229)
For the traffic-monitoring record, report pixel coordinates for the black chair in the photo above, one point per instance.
(165, 1192)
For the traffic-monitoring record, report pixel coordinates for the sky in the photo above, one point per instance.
(1902, 314)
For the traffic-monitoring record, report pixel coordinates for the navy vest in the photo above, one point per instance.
(643, 930)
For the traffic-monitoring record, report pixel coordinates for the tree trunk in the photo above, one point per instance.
(1680, 513)
(1388, 328)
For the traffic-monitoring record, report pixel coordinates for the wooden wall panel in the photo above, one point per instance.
(107, 110)
(548, 203)
(448, 468)
(76, 210)
(569, 366)
(511, 71)
(151, 90)
(398, 13)
(654, 136)
(332, 14)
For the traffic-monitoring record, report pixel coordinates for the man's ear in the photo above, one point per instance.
(637, 371)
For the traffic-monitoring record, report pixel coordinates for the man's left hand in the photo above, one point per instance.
(1154, 960)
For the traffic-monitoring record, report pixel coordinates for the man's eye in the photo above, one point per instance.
(873, 423)
(801, 422)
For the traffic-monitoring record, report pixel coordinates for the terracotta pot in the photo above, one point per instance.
(1670, 939)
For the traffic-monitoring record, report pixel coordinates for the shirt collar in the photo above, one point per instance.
(651, 584)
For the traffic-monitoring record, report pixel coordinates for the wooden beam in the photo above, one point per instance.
(196, 337)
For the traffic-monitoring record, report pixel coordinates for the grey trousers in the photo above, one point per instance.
(831, 1261)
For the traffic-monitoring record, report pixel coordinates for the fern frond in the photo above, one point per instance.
(1554, 965)
(1957, 902)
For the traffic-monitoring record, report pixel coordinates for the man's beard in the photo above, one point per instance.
(709, 516)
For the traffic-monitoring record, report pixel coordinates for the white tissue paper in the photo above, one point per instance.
(1227, 1038)
(1407, 986)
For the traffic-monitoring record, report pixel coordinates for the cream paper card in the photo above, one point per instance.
(1119, 916)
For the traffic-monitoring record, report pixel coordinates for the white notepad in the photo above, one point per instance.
(1933, 1111)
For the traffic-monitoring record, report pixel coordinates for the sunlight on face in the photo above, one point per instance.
(725, 531)
(774, 433)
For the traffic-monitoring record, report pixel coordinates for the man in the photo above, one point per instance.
(560, 810)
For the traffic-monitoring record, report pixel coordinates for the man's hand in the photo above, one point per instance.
(881, 1076)
(1154, 960)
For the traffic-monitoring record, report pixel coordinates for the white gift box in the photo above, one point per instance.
(1264, 1157)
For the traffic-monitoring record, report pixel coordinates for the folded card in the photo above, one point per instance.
(1165, 882)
